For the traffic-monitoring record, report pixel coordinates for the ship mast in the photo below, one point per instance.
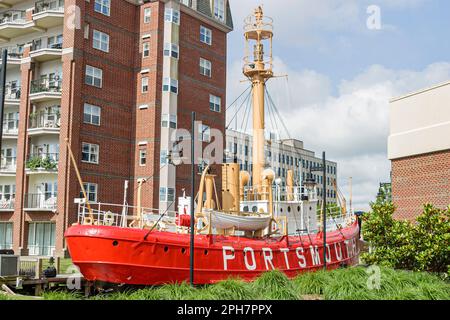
(258, 69)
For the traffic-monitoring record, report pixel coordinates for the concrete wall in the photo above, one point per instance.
(420, 123)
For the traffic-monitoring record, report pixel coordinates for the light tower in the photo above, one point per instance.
(258, 69)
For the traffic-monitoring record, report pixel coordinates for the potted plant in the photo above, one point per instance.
(48, 164)
(34, 163)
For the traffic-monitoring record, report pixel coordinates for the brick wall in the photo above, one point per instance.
(418, 180)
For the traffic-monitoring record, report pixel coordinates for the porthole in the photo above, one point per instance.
(281, 209)
(183, 250)
(246, 209)
(115, 243)
(255, 209)
(289, 209)
(166, 248)
(298, 208)
(206, 252)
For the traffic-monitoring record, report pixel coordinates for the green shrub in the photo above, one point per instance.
(420, 246)
(274, 285)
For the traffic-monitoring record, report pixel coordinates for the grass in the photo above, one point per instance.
(341, 284)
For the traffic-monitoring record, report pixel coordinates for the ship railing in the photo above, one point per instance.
(336, 219)
(297, 194)
(120, 215)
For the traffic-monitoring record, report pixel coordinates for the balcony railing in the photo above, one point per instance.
(43, 161)
(38, 46)
(12, 92)
(10, 126)
(15, 16)
(6, 204)
(8, 164)
(45, 85)
(14, 52)
(42, 6)
(44, 201)
(44, 120)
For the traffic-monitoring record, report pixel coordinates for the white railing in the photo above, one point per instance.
(119, 215)
(336, 219)
(283, 194)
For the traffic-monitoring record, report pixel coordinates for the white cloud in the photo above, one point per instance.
(352, 125)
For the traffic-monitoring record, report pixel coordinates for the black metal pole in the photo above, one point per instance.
(324, 208)
(2, 91)
(191, 265)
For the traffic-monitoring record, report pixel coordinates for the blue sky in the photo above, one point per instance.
(342, 74)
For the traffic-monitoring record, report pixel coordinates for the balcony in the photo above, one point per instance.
(46, 201)
(8, 166)
(38, 163)
(10, 129)
(45, 89)
(13, 23)
(7, 204)
(44, 123)
(12, 93)
(48, 14)
(15, 54)
(42, 54)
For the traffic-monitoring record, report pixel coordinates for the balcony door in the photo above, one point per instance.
(46, 194)
(8, 158)
(41, 238)
(6, 235)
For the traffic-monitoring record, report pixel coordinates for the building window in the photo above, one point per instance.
(205, 67)
(146, 49)
(55, 42)
(94, 76)
(214, 103)
(205, 35)
(172, 15)
(91, 114)
(6, 235)
(163, 158)
(41, 238)
(144, 84)
(169, 121)
(147, 15)
(102, 6)
(100, 41)
(7, 192)
(204, 133)
(171, 50)
(170, 85)
(91, 191)
(89, 153)
(219, 9)
(166, 194)
(142, 157)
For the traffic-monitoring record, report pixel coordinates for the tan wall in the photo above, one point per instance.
(420, 123)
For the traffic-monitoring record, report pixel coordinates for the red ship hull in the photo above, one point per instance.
(122, 256)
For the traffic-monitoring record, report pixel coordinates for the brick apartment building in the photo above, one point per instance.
(419, 148)
(114, 77)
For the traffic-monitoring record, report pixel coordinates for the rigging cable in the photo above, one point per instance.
(278, 113)
(237, 111)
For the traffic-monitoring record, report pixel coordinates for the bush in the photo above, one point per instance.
(420, 246)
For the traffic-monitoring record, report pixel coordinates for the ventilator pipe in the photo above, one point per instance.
(201, 189)
(244, 178)
(290, 185)
(209, 186)
(269, 175)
